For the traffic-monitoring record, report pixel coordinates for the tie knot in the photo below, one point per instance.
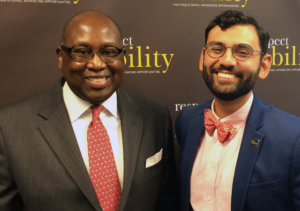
(96, 110)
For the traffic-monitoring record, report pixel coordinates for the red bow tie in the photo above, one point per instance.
(224, 129)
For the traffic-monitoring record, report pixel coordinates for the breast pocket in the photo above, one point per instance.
(265, 187)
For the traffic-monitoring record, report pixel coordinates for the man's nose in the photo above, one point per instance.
(228, 59)
(96, 63)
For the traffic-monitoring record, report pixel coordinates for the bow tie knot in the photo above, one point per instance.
(224, 129)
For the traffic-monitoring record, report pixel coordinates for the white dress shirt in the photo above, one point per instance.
(81, 116)
(215, 162)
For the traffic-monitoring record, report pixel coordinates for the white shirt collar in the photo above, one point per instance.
(238, 116)
(77, 106)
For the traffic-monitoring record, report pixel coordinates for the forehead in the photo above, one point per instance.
(91, 30)
(234, 35)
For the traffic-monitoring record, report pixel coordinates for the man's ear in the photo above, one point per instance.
(59, 58)
(201, 60)
(265, 66)
(124, 59)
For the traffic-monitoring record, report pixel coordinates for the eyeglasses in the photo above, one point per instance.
(240, 51)
(82, 53)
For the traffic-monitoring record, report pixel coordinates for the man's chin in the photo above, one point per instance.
(93, 99)
(227, 95)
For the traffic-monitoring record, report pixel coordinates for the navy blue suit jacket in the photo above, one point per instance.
(267, 175)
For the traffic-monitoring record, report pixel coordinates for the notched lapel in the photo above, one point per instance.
(248, 154)
(195, 132)
(192, 141)
(132, 126)
(249, 151)
(58, 132)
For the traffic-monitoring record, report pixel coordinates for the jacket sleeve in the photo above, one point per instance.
(295, 175)
(9, 197)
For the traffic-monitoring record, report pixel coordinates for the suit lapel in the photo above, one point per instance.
(249, 151)
(132, 127)
(58, 132)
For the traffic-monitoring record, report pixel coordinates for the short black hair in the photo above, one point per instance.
(230, 18)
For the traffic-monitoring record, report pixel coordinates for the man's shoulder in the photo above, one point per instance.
(24, 103)
(30, 105)
(19, 112)
(276, 114)
(271, 111)
(275, 119)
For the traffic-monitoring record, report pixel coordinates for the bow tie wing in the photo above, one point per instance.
(225, 130)
(209, 124)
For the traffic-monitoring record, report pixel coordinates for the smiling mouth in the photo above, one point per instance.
(98, 79)
(225, 75)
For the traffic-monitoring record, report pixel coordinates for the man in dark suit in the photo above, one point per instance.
(45, 159)
(237, 153)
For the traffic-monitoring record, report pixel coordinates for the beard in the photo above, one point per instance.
(245, 84)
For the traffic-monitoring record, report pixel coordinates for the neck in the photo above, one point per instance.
(224, 108)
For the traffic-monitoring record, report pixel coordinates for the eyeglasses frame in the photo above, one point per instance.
(69, 51)
(232, 50)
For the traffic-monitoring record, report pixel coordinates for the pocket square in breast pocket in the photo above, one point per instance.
(151, 161)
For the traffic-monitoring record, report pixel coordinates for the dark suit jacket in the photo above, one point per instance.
(267, 175)
(41, 167)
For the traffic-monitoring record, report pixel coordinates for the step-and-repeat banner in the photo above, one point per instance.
(163, 40)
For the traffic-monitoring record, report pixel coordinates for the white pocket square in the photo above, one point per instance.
(151, 161)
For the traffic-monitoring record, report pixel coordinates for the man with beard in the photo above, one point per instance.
(87, 144)
(237, 153)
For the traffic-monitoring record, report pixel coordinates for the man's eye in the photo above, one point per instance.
(81, 51)
(243, 52)
(109, 52)
(217, 49)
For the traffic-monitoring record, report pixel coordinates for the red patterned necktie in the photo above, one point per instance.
(103, 171)
(224, 129)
